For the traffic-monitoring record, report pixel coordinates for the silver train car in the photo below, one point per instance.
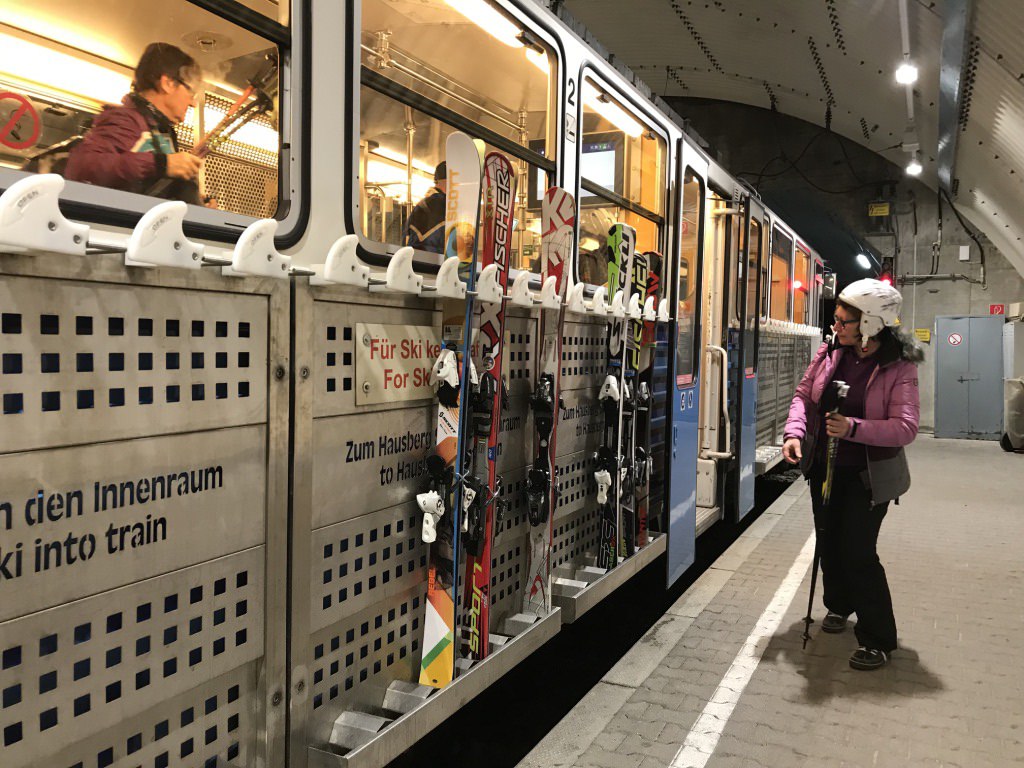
(209, 546)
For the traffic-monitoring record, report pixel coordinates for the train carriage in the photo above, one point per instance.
(317, 121)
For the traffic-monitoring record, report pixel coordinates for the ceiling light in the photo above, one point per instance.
(539, 59)
(610, 111)
(906, 73)
(863, 262)
(489, 20)
(56, 72)
(398, 157)
(914, 167)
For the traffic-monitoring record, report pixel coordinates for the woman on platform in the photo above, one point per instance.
(880, 416)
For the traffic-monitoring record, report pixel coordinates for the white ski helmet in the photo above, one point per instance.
(879, 304)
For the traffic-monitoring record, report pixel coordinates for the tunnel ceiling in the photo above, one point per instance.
(833, 60)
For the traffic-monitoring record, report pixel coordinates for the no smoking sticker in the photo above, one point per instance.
(955, 339)
(19, 121)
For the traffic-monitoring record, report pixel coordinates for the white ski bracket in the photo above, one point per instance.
(633, 310)
(574, 298)
(256, 255)
(650, 312)
(400, 277)
(549, 298)
(30, 218)
(520, 294)
(488, 290)
(343, 265)
(158, 240)
(663, 313)
(618, 307)
(447, 284)
(599, 304)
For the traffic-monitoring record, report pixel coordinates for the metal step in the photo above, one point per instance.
(706, 517)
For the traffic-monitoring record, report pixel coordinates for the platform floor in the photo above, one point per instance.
(721, 680)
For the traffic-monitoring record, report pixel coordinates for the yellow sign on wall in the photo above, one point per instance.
(923, 334)
(880, 208)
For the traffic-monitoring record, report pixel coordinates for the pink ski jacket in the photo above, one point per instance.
(891, 413)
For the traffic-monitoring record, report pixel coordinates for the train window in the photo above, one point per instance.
(801, 285)
(751, 311)
(121, 97)
(433, 67)
(622, 170)
(689, 263)
(782, 254)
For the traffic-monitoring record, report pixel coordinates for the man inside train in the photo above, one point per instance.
(133, 146)
(425, 229)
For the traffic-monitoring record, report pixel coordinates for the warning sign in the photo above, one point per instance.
(19, 121)
(923, 334)
(878, 208)
(393, 362)
(955, 339)
(997, 309)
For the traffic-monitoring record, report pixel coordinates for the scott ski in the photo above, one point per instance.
(451, 376)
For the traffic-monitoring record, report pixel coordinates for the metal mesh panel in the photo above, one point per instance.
(242, 178)
(583, 354)
(81, 667)
(104, 362)
(136, 435)
(576, 518)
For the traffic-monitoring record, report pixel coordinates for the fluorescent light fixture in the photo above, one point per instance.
(394, 180)
(489, 20)
(398, 157)
(55, 72)
(588, 243)
(539, 59)
(610, 111)
(863, 262)
(797, 285)
(914, 167)
(906, 73)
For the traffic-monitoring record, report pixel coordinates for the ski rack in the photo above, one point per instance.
(577, 589)
(344, 267)
(370, 740)
(31, 220)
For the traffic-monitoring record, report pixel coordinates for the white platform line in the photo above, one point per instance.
(704, 735)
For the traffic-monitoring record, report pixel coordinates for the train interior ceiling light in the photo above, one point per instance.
(906, 73)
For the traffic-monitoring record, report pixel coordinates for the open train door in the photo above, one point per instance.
(684, 361)
(748, 291)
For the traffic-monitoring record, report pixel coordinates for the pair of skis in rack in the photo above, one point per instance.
(463, 495)
(623, 461)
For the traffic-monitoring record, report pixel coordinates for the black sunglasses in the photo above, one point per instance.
(843, 323)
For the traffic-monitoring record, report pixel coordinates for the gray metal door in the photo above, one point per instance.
(969, 377)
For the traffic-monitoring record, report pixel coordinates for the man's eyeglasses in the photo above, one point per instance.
(191, 88)
(843, 323)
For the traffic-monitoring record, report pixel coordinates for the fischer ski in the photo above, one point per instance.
(558, 222)
(643, 461)
(450, 376)
(608, 462)
(484, 482)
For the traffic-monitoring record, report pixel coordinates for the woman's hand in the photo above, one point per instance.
(791, 450)
(837, 425)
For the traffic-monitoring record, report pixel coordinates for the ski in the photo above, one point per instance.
(643, 461)
(558, 222)
(631, 469)
(607, 461)
(482, 480)
(450, 376)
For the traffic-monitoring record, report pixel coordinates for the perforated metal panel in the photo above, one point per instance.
(143, 454)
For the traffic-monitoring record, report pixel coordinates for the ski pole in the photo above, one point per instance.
(842, 388)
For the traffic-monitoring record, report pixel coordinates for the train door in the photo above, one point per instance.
(685, 364)
(720, 322)
(745, 372)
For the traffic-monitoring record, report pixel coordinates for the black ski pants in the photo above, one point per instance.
(852, 576)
